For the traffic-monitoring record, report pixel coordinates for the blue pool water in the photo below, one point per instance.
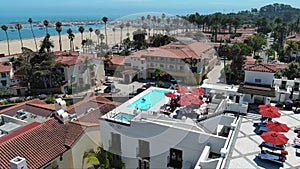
(149, 100)
(123, 117)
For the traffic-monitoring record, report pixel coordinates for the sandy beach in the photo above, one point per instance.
(15, 45)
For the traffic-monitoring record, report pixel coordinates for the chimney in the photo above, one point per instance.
(18, 163)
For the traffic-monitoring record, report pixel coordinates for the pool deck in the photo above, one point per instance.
(124, 108)
(245, 151)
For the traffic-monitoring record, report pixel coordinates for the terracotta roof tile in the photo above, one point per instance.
(92, 118)
(194, 50)
(261, 68)
(72, 59)
(36, 106)
(118, 60)
(5, 68)
(40, 144)
(19, 131)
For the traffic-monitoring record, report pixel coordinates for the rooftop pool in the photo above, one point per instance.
(125, 117)
(149, 100)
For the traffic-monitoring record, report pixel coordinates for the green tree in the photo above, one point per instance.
(114, 30)
(4, 28)
(139, 38)
(121, 38)
(256, 42)
(291, 47)
(46, 24)
(71, 37)
(19, 27)
(91, 30)
(46, 44)
(30, 22)
(58, 29)
(97, 32)
(105, 19)
(100, 159)
(81, 30)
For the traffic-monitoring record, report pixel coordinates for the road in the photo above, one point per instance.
(214, 76)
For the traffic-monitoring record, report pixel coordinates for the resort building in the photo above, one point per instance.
(58, 142)
(146, 135)
(183, 62)
(80, 69)
(7, 76)
(286, 89)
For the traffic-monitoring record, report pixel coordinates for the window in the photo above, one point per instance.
(175, 158)
(3, 75)
(143, 62)
(144, 164)
(171, 67)
(181, 68)
(3, 82)
(257, 80)
(161, 66)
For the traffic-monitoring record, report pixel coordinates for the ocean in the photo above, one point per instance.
(39, 29)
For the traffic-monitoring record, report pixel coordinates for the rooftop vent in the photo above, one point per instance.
(18, 163)
(60, 104)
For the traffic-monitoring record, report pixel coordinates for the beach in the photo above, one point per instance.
(15, 45)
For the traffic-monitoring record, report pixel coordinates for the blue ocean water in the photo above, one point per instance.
(39, 30)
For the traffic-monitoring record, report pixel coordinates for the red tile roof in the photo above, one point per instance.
(72, 59)
(260, 67)
(118, 60)
(93, 102)
(36, 106)
(5, 68)
(19, 131)
(41, 144)
(194, 50)
(92, 118)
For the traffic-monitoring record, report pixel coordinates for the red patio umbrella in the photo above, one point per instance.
(184, 102)
(278, 127)
(170, 94)
(267, 106)
(197, 91)
(189, 97)
(274, 138)
(270, 113)
(182, 89)
(198, 102)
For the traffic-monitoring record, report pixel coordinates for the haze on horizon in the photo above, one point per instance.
(125, 7)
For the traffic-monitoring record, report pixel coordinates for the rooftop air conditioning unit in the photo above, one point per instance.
(18, 163)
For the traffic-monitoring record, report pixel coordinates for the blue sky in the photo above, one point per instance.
(123, 7)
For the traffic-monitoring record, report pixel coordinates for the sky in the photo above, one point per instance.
(125, 7)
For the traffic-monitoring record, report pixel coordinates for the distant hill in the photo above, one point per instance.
(287, 12)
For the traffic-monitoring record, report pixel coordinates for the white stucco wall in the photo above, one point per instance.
(161, 139)
(266, 78)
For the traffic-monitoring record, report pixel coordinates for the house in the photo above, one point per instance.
(145, 137)
(174, 60)
(33, 111)
(7, 78)
(59, 142)
(258, 83)
(286, 89)
(80, 69)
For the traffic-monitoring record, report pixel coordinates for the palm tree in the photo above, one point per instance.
(114, 30)
(46, 45)
(105, 19)
(91, 30)
(46, 24)
(4, 28)
(97, 32)
(102, 159)
(101, 41)
(71, 37)
(143, 19)
(59, 29)
(128, 25)
(81, 30)
(292, 46)
(30, 22)
(19, 27)
(121, 27)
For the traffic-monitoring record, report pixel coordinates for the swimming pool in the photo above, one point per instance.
(124, 117)
(149, 100)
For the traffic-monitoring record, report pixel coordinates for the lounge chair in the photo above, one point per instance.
(272, 146)
(271, 157)
(263, 128)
